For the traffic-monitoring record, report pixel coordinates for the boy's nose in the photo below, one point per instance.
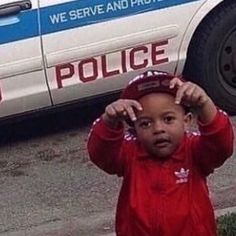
(158, 127)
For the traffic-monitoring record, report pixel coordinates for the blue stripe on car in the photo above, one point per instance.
(69, 15)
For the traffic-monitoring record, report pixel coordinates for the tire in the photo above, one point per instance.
(211, 57)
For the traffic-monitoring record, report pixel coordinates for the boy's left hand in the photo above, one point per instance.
(189, 94)
(192, 95)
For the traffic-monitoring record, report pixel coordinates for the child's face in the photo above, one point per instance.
(160, 126)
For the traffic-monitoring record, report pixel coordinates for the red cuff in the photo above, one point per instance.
(219, 121)
(101, 128)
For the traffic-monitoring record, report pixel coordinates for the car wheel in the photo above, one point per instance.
(211, 58)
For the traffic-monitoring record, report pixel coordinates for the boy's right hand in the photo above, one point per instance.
(120, 110)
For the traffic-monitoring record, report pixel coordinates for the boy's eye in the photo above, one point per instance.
(144, 124)
(169, 119)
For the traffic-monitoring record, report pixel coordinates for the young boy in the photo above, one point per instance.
(164, 168)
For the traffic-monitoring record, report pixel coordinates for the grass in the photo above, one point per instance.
(226, 225)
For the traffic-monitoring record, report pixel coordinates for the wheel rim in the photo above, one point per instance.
(227, 60)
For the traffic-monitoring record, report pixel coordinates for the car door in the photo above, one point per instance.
(93, 47)
(23, 85)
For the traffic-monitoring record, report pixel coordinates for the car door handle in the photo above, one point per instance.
(14, 8)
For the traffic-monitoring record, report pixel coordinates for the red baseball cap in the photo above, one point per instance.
(151, 81)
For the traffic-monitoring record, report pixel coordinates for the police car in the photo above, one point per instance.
(59, 52)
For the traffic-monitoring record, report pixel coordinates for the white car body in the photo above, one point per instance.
(63, 51)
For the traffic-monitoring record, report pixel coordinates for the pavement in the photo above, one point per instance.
(72, 227)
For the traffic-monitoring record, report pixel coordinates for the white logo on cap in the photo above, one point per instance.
(154, 84)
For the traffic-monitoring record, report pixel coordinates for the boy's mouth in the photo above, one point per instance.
(161, 142)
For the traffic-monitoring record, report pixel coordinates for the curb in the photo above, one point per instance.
(229, 210)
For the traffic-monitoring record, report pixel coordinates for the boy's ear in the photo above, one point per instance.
(188, 120)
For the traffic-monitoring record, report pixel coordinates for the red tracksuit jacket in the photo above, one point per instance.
(163, 198)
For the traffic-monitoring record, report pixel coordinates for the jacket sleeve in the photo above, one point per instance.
(214, 144)
(105, 147)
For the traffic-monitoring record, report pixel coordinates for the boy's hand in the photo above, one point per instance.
(191, 94)
(120, 110)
